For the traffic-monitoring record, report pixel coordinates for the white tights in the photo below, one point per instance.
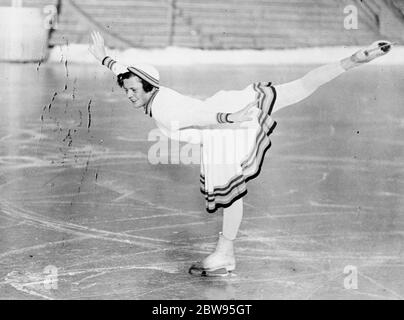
(232, 217)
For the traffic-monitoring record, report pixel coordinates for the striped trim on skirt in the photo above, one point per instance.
(223, 181)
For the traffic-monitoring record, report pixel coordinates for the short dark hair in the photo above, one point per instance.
(147, 87)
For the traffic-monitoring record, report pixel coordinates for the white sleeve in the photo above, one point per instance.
(176, 111)
(295, 91)
(192, 116)
(114, 66)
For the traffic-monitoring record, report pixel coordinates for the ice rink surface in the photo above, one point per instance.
(84, 215)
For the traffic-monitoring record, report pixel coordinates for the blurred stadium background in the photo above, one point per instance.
(230, 24)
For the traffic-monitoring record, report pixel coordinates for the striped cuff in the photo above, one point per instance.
(108, 62)
(223, 118)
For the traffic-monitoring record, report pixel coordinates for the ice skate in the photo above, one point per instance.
(375, 50)
(220, 263)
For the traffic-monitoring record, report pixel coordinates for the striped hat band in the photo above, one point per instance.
(147, 73)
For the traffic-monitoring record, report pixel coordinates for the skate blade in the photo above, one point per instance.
(201, 272)
(387, 45)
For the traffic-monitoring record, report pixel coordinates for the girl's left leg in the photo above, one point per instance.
(223, 256)
(232, 217)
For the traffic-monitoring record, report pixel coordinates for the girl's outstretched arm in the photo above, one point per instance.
(97, 49)
(295, 91)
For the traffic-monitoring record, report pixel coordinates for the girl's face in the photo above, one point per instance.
(135, 92)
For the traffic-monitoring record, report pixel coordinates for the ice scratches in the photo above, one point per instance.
(127, 173)
(377, 284)
(339, 206)
(77, 157)
(248, 253)
(313, 292)
(46, 198)
(368, 295)
(130, 139)
(154, 216)
(22, 162)
(295, 142)
(172, 286)
(116, 187)
(124, 192)
(23, 136)
(6, 183)
(283, 206)
(78, 230)
(171, 226)
(395, 143)
(11, 226)
(344, 160)
(4, 138)
(34, 283)
(324, 176)
(96, 272)
(235, 280)
(123, 196)
(90, 275)
(388, 194)
(41, 246)
(118, 257)
(307, 214)
(29, 283)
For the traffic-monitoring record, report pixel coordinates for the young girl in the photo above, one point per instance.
(232, 128)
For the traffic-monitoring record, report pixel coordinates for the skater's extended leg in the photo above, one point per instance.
(298, 90)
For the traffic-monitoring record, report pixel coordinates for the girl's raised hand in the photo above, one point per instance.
(97, 47)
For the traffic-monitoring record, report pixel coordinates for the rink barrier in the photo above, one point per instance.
(23, 34)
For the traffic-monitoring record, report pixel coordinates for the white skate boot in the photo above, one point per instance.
(220, 263)
(375, 50)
